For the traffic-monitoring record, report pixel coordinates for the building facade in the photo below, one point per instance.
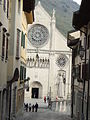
(48, 59)
(14, 17)
(21, 15)
(4, 41)
(27, 18)
(81, 63)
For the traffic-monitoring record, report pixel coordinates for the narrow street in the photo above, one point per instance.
(45, 59)
(43, 114)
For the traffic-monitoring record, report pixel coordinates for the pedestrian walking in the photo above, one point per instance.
(26, 107)
(45, 99)
(32, 108)
(36, 107)
(29, 107)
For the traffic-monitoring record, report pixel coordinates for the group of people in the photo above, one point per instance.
(33, 108)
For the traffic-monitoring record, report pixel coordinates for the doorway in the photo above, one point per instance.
(35, 92)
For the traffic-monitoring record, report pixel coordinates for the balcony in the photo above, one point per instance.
(73, 38)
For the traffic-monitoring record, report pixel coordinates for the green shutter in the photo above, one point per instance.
(21, 72)
(24, 73)
(22, 39)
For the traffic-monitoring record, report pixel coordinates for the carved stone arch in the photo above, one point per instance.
(36, 89)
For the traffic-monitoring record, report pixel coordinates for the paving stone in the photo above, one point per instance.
(43, 114)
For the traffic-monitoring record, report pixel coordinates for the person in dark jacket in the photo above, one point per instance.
(26, 106)
(29, 107)
(36, 107)
(32, 108)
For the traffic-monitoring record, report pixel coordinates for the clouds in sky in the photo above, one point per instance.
(78, 1)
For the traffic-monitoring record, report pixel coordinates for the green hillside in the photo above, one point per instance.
(64, 11)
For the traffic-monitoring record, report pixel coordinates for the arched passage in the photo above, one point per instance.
(36, 89)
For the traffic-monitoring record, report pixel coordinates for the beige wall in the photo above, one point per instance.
(3, 64)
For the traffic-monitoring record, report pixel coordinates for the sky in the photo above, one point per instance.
(78, 1)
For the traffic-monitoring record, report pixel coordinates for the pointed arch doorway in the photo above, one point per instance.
(36, 90)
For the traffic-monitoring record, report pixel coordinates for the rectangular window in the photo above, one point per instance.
(18, 44)
(4, 5)
(19, 6)
(21, 73)
(85, 69)
(3, 45)
(7, 48)
(7, 8)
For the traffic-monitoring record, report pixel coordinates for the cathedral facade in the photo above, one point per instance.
(48, 59)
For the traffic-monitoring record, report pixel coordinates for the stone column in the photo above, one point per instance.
(60, 106)
(64, 106)
(56, 106)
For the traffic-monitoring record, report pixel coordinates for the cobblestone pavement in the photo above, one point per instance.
(42, 114)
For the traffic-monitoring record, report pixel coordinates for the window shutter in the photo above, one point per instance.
(22, 39)
(20, 72)
(7, 48)
(24, 73)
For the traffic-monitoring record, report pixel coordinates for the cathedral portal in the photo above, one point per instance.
(36, 90)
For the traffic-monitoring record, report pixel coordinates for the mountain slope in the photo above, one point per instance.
(64, 11)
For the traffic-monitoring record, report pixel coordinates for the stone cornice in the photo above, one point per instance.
(49, 51)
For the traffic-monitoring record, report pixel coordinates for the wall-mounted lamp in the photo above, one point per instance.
(25, 80)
